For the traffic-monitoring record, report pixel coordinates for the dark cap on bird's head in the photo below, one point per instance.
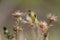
(4, 28)
(29, 10)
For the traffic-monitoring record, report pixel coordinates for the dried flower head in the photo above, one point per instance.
(17, 14)
(17, 28)
(43, 26)
(52, 17)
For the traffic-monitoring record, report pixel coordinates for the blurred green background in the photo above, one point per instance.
(41, 7)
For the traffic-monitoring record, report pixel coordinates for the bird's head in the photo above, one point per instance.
(32, 14)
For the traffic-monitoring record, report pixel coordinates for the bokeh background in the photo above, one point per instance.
(40, 7)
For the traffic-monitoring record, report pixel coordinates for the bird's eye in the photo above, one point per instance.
(29, 10)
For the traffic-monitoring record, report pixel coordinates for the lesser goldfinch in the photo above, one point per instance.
(7, 33)
(32, 15)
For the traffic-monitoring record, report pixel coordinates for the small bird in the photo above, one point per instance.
(45, 36)
(31, 18)
(7, 33)
(32, 15)
(5, 30)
